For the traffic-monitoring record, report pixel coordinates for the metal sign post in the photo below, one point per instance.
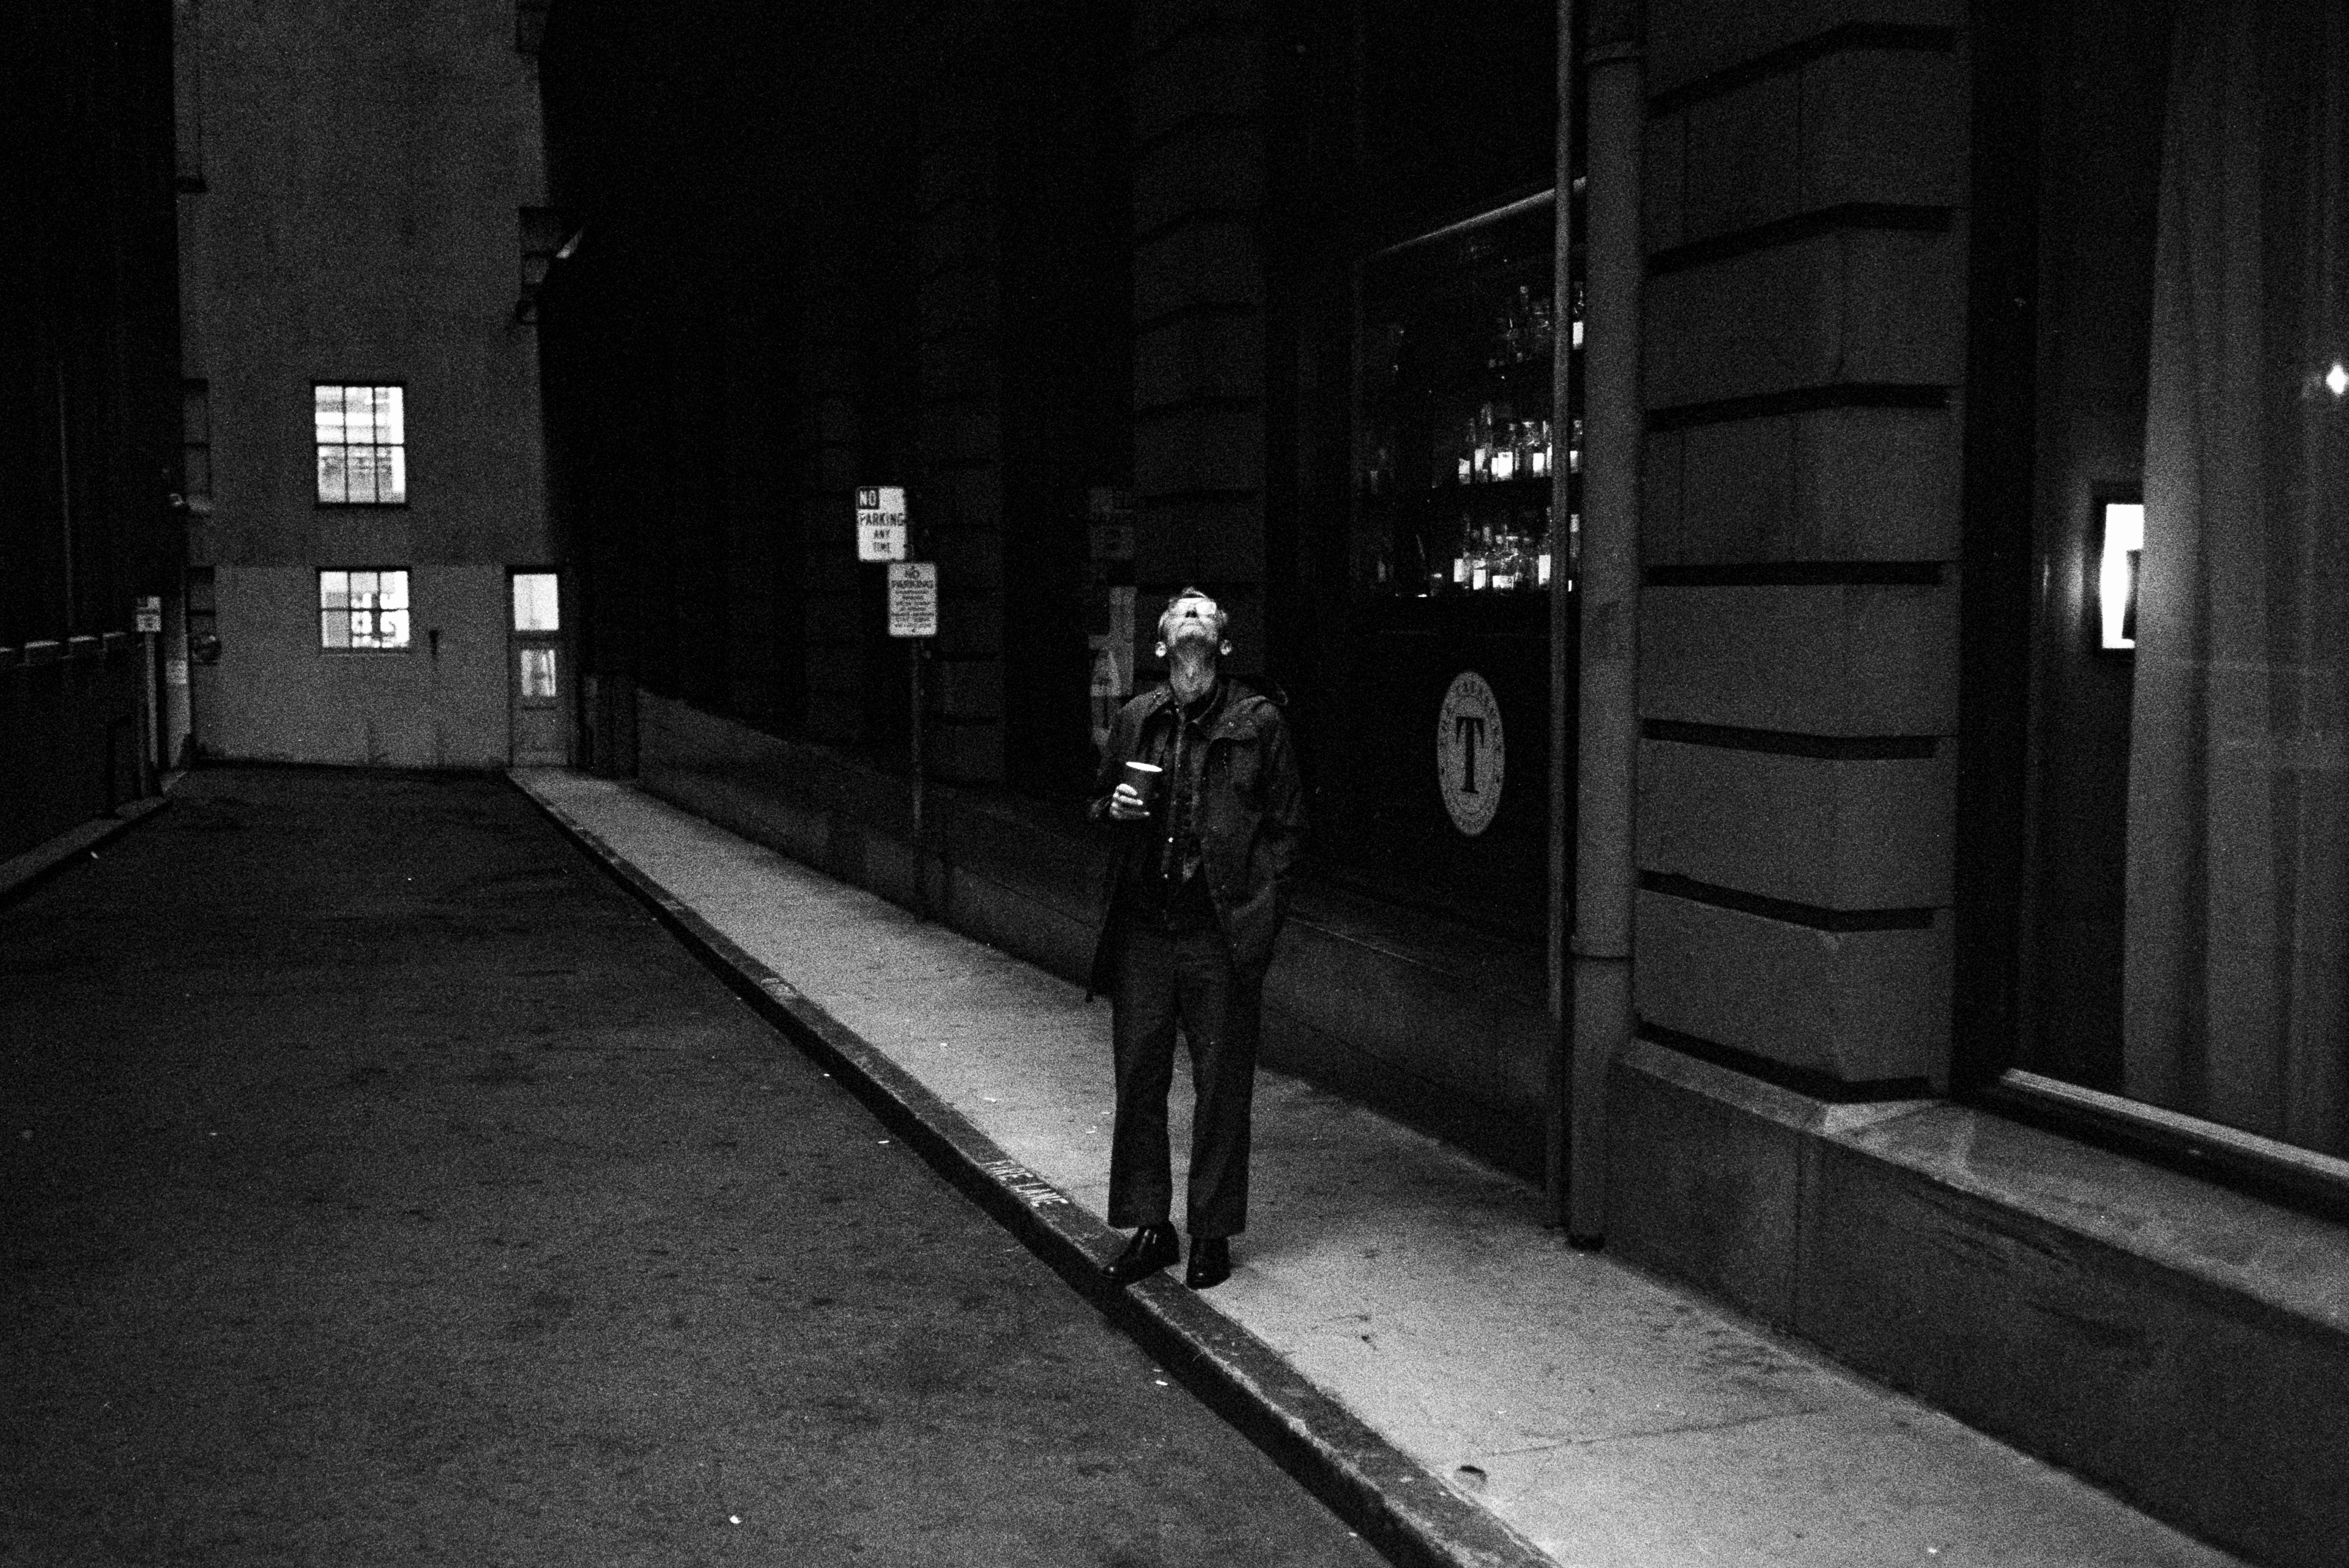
(915, 659)
(914, 614)
(148, 619)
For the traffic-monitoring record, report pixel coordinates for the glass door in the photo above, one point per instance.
(537, 678)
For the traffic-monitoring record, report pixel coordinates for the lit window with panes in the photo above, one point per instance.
(362, 442)
(363, 609)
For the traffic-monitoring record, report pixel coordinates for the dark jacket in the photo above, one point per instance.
(1251, 818)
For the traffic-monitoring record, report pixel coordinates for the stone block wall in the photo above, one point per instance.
(1199, 293)
(960, 413)
(832, 596)
(1804, 342)
(1771, 1136)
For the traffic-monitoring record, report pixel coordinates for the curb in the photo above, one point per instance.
(1394, 1502)
(20, 874)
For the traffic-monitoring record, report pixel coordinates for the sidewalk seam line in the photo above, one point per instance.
(1396, 1504)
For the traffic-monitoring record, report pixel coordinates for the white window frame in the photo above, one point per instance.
(369, 433)
(381, 624)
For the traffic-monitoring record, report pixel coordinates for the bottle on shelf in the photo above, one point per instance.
(1530, 439)
(1508, 558)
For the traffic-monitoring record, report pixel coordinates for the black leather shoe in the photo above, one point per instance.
(1151, 1248)
(1211, 1262)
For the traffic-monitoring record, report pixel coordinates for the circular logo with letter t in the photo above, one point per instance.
(1469, 753)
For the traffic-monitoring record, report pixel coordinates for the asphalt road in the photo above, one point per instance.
(380, 1185)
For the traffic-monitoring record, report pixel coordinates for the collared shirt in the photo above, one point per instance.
(1171, 884)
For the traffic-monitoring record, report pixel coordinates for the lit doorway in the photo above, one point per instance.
(536, 678)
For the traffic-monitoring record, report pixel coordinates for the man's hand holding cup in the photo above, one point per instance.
(1129, 802)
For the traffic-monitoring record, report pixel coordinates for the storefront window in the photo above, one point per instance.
(1434, 778)
(2221, 979)
(2236, 980)
(1458, 435)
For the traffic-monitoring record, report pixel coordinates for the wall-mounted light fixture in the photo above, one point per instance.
(2116, 575)
(542, 245)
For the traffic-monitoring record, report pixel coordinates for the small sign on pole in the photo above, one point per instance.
(914, 615)
(914, 598)
(881, 523)
(146, 620)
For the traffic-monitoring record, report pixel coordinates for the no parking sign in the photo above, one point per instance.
(914, 598)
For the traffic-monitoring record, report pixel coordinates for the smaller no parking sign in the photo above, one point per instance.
(913, 598)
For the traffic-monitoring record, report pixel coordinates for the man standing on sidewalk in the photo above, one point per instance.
(1198, 886)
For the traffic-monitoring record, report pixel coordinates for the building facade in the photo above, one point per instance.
(1764, 788)
(362, 212)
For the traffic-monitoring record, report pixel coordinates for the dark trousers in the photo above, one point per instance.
(1165, 978)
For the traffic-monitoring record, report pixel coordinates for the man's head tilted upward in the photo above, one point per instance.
(1192, 622)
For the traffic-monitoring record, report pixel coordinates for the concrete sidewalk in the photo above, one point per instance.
(1447, 1372)
(20, 872)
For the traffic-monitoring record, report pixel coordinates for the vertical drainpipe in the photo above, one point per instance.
(1608, 586)
(65, 499)
(1558, 1078)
